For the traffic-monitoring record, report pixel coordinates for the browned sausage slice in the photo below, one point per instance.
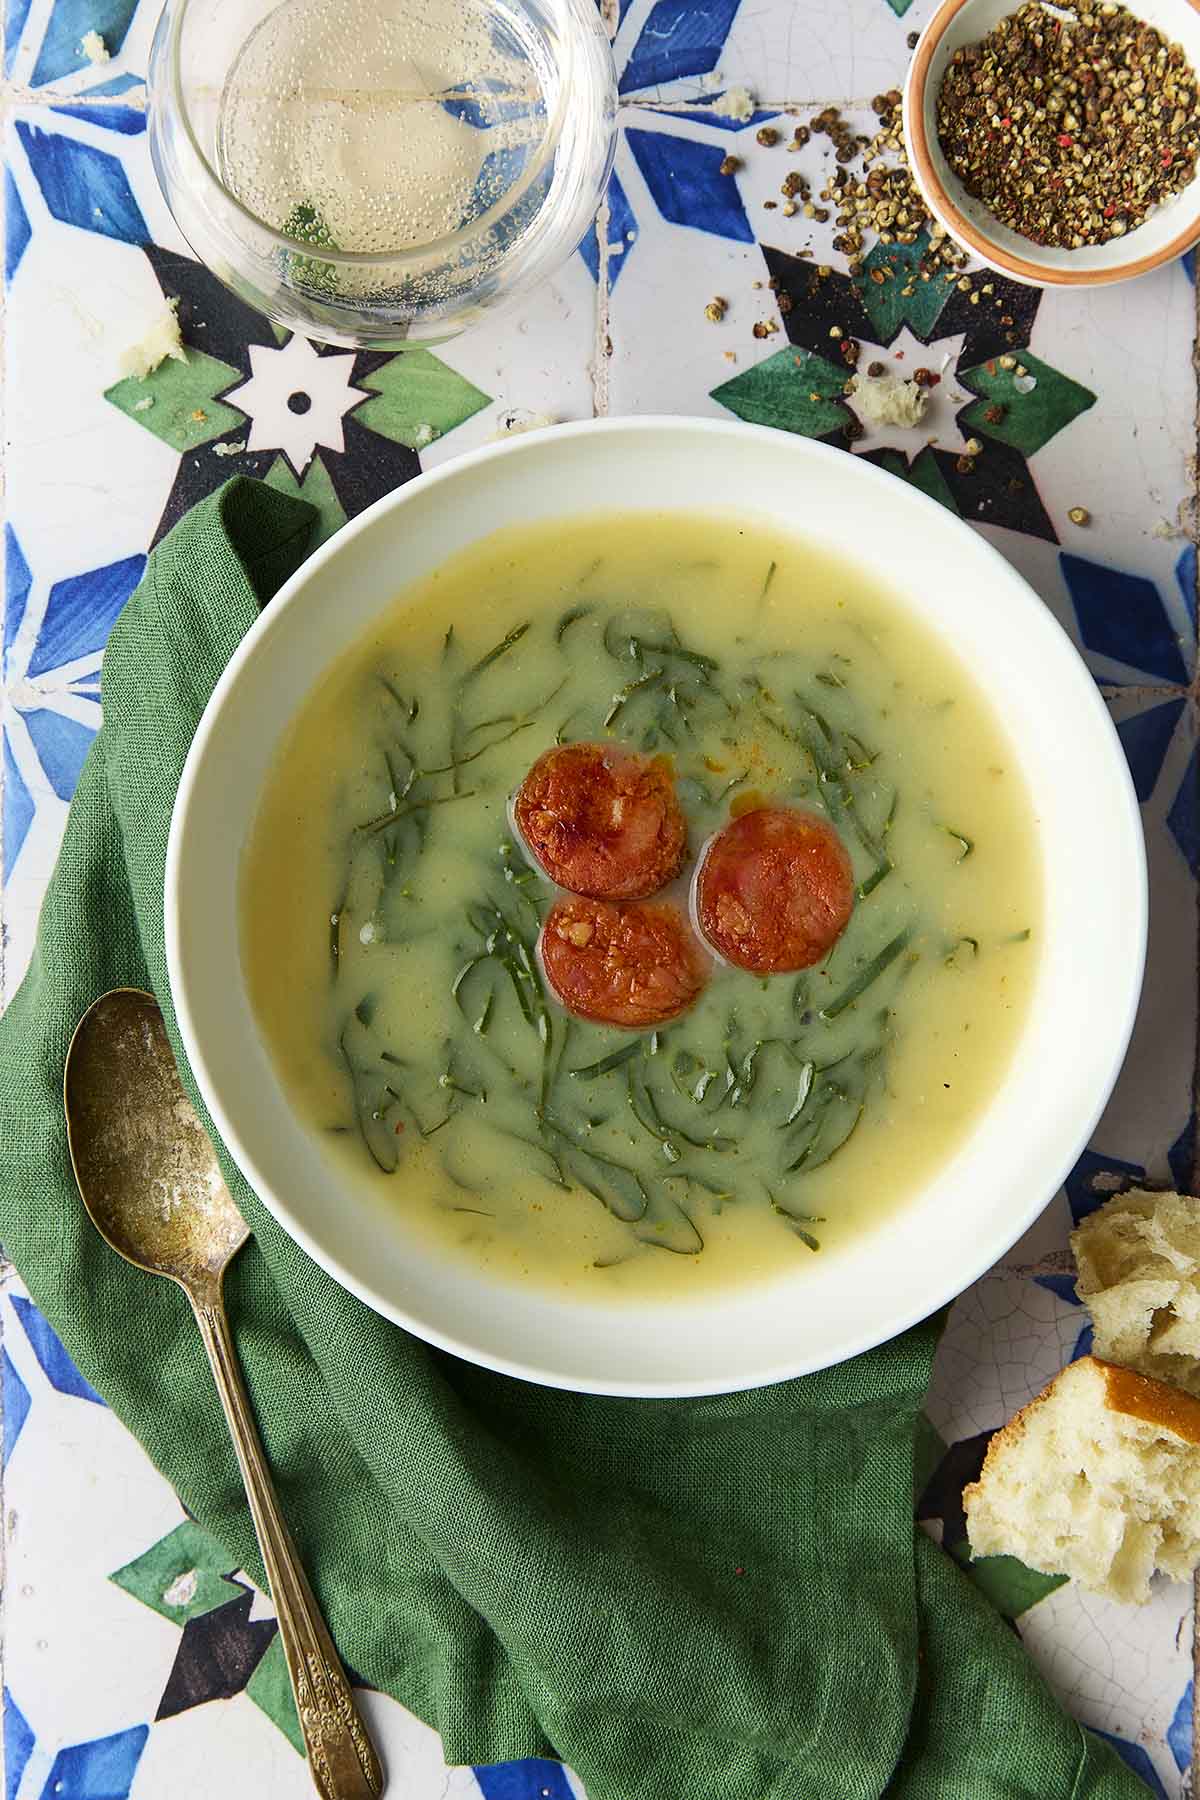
(634, 964)
(775, 890)
(602, 820)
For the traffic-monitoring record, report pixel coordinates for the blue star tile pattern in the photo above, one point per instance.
(16, 228)
(57, 1366)
(80, 613)
(620, 234)
(530, 1780)
(16, 15)
(100, 1770)
(1094, 1178)
(1061, 1285)
(128, 120)
(82, 185)
(1185, 575)
(18, 1743)
(1179, 1731)
(61, 53)
(18, 580)
(1145, 738)
(1138, 1761)
(1183, 820)
(1083, 1344)
(18, 810)
(686, 184)
(61, 744)
(15, 1396)
(680, 38)
(120, 84)
(678, 45)
(1122, 617)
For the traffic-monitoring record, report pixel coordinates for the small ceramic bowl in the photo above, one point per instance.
(1170, 230)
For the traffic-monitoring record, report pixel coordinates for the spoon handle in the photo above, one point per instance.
(341, 1757)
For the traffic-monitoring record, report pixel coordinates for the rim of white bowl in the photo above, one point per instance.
(926, 164)
(991, 1249)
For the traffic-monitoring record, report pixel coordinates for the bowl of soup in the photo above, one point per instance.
(632, 913)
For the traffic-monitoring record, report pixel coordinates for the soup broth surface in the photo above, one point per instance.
(390, 915)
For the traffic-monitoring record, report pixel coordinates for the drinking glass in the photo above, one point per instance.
(380, 172)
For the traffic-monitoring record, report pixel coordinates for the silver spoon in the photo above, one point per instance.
(153, 1188)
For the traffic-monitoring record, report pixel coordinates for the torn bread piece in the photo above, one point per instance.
(161, 340)
(1097, 1478)
(1139, 1276)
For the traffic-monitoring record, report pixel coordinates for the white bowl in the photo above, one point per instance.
(1093, 935)
(1169, 230)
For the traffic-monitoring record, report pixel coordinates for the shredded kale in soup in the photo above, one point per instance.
(392, 913)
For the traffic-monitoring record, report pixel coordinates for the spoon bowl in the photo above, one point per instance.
(146, 1168)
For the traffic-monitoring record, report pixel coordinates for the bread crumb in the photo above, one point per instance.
(228, 449)
(161, 340)
(94, 48)
(736, 103)
(888, 399)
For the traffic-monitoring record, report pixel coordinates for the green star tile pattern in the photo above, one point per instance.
(316, 488)
(415, 395)
(179, 391)
(1007, 1582)
(270, 1689)
(183, 1575)
(1030, 420)
(793, 390)
(922, 472)
(884, 299)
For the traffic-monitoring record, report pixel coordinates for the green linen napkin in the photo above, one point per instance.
(714, 1599)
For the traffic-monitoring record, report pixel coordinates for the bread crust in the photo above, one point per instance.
(1125, 1391)
(1142, 1397)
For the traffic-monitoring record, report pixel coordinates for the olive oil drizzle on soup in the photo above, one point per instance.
(390, 916)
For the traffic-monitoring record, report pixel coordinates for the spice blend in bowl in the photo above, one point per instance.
(1070, 127)
(993, 90)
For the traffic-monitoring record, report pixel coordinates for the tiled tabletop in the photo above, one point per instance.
(135, 1661)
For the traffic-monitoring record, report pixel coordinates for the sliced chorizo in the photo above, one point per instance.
(636, 964)
(774, 890)
(602, 821)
